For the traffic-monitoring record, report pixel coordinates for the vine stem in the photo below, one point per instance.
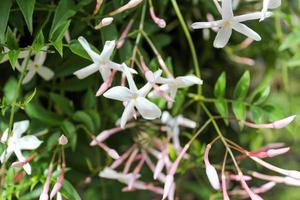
(190, 41)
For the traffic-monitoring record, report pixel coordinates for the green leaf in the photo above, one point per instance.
(260, 95)
(58, 45)
(64, 10)
(36, 111)
(295, 61)
(9, 89)
(89, 100)
(27, 7)
(11, 40)
(38, 42)
(83, 117)
(13, 57)
(222, 108)
(68, 191)
(96, 118)
(242, 87)
(292, 40)
(239, 109)
(220, 86)
(62, 104)
(77, 49)
(70, 130)
(30, 97)
(4, 15)
(58, 36)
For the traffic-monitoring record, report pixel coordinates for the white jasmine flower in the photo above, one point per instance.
(134, 98)
(22, 54)
(229, 22)
(269, 4)
(101, 62)
(171, 85)
(36, 66)
(16, 143)
(173, 127)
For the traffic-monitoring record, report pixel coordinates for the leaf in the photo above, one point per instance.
(84, 118)
(242, 87)
(220, 86)
(96, 118)
(260, 95)
(70, 130)
(13, 57)
(77, 49)
(27, 7)
(293, 39)
(62, 104)
(295, 61)
(58, 36)
(30, 97)
(38, 42)
(64, 10)
(9, 89)
(4, 15)
(239, 109)
(11, 40)
(58, 45)
(222, 108)
(68, 191)
(89, 100)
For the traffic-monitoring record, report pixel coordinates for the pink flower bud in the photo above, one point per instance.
(276, 152)
(104, 22)
(224, 188)
(63, 140)
(44, 196)
(58, 184)
(112, 153)
(168, 185)
(158, 168)
(212, 176)
(160, 22)
(291, 181)
(133, 3)
(275, 125)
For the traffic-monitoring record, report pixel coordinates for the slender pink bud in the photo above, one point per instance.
(244, 60)
(129, 5)
(22, 163)
(211, 172)
(58, 184)
(160, 22)
(238, 178)
(124, 34)
(63, 140)
(251, 194)
(275, 125)
(246, 43)
(58, 196)
(158, 168)
(264, 188)
(44, 195)
(104, 22)
(112, 153)
(106, 84)
(168, 184)
(98, 5)
(172, 192)
(119, 161)
(130, 160)
(136, 170)
(276, 152)
(224, 188)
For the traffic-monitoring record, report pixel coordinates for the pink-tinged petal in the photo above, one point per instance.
(108, 49)
(46, 73)
(212, 176)
(224, 188)
(171, 194)
(21, 158)
(19, 128)
(227, 12)
(28, 77)
(105, 72)
(29, 142)
(44, 196)
(202, 25)
(57, 185)
(158, 168)
(113, 153)
(86, 71)
(222, 37)
(129, 108)
(147, 109)
(93, 55)
(283, 122)
(63, 140)
(291, 181)
(276, 152)
(245, 30)
(186, 81)
(119, 93)
(168, 184)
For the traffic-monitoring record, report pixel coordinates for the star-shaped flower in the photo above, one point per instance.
(134, 98)
(269, 4)
(16, 143)
(101, 62)
(229, 22)
(171, 85)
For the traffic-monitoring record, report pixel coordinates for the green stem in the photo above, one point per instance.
(190, 41)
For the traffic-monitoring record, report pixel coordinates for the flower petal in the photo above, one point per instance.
(186, 81)
(274, 4)
(20, 128)
(86, 71)
(147, 109)
(40, 57)
(29, 142)
(105, 72)
(201, 25)
(45, 73)
(245, 30)
(130, 80)
(222, 37)
(129, 108)
(107, 50)
(119, 93)
(227, 12)
(21, 158)
(94, 56)
(4, 136)
(28, 77)
(250, 16)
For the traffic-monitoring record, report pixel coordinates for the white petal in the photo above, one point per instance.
(250, 16)
(105, 72)
(28, 77)
(94, 56)
(86, 71)
(113, 65)
(118, 93)
(45, 73)
(222, 37)
(108, 173)
(40, 57)
(29, 142)
(227, 9)
(20, 128)
(245, 30)
(129, 108)
(201, 25)
(274, 4)
(130, 80)
(5, 155)
(107, 50)
(186, 81)
(21, 158)
(4, 136)
(147, 109)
